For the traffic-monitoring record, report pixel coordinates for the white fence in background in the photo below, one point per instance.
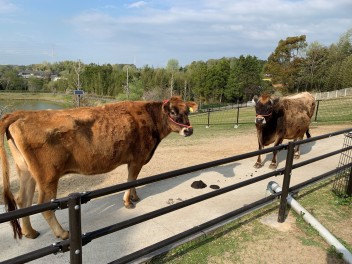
(333, 94)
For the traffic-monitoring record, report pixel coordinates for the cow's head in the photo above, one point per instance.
(177, 112)
(263, 109)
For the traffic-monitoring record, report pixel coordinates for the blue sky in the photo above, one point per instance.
(151, 32)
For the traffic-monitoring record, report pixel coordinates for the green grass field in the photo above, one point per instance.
(334, 110)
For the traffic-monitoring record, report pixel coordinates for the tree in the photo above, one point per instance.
(245, 78)
(135, 91)
(316, 55)
(346, 72)
(285, 63)
(337, 53)
(11, 81)
(35, 84)
(78, 69)
(198, 73)
(172, 67)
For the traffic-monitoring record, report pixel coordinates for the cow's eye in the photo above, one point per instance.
(173, 113)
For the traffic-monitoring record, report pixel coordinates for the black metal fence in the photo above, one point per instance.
(74, 202)
(343, 183)
(331, 110)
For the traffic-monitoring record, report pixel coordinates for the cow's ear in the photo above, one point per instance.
(192, 106)
(275, 100)
(255, 98)
(166, 106)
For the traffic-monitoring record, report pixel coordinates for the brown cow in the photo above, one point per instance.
(282, 118)
(48, 144)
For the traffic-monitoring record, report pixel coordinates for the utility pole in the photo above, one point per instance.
(127, 87)
(172, 83)
(78, 90)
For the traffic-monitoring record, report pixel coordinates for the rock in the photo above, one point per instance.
(198, 185)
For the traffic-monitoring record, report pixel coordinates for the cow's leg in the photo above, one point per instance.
(131, 194)
(297, 152)
(25, 199)
(259, 163)
(278, 141)
(47, 192)
(27, 188)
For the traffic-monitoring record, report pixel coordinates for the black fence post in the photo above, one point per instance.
(208, 118)
(316, 112)
(286, 181)
(238, 114)
(74, 212)
(349, 184)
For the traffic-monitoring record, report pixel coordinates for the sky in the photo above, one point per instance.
(151, 32)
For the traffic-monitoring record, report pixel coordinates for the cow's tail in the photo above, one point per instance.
(308, 134)
(10, 202)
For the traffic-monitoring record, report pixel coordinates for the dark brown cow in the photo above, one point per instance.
(48, 144)
(282, 118)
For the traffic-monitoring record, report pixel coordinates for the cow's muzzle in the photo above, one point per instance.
(186, 131)
(260, 120)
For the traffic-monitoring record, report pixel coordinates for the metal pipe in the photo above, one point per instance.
(346, 255)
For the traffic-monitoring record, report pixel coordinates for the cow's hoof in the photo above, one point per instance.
(258, 165)
(296, 156)
(32, 235)
(135, 199)
(130, 206)
(273, 166)
(65, 235)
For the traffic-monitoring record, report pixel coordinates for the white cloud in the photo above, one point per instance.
(7, 7)
(156, 30)
(138, 4)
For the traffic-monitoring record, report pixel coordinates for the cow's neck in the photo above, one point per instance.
(160, 119)
(271, 125)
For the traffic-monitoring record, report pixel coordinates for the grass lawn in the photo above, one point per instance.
(248, 240)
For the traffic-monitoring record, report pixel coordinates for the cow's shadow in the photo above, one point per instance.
(281, 156)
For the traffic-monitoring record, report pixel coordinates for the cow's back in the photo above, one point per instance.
(306, 99)
(298, 111)
(77, 140)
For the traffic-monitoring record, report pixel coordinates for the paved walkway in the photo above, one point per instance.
(109, 210)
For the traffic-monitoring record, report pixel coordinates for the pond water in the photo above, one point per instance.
(30, 105)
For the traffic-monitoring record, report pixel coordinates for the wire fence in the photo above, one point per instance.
(343, 180)
(330, 110)
(334, 110)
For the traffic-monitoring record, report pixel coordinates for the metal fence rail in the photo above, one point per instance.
(327, 110)
(77, 240)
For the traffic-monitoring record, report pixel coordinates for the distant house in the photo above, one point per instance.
(54, 77)
(25, 74)
(37, 74)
